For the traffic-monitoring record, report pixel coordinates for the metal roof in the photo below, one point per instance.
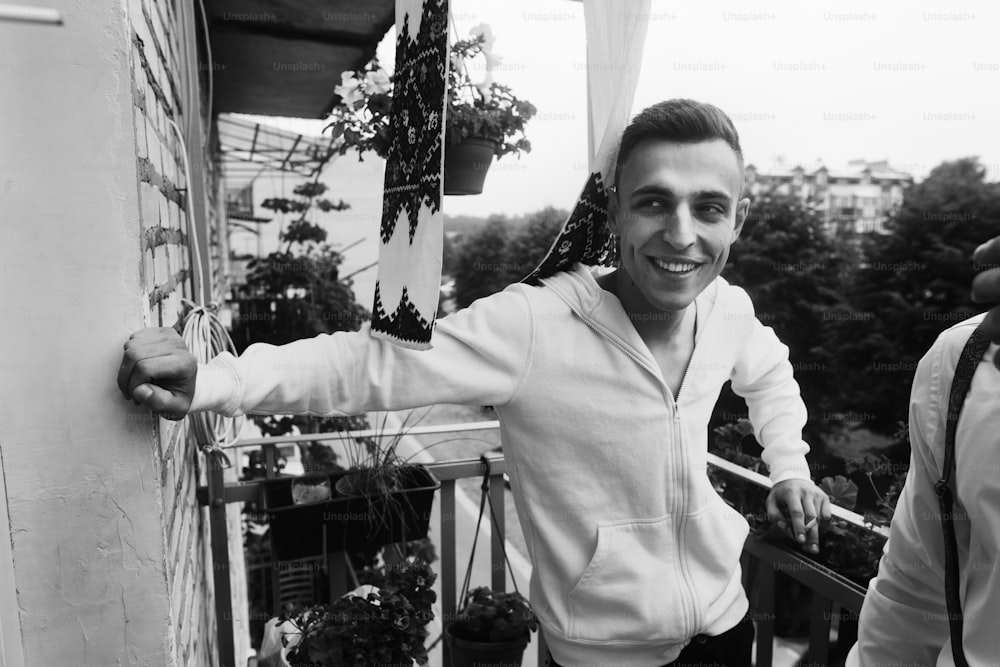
(250, 149)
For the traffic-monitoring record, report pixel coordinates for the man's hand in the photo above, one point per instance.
(798, 505)
(158, 372)
(986, 288)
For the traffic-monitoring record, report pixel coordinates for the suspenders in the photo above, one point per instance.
(972, 354)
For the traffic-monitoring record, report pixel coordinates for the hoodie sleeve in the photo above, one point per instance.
(763, 376)
(480, 356)
(904, 616)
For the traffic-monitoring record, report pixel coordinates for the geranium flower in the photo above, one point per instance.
(484, 87)
(492, 60)
(349, 89)
(378, 82)
(485, 34)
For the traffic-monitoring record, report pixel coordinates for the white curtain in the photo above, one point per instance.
(616, 34)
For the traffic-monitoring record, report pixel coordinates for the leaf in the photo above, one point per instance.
(841, 490)
(744, 427)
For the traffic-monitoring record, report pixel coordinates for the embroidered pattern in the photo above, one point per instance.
(584, 238)
(413, 174)
(406, 323)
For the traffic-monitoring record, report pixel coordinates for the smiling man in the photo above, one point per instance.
(604, 388)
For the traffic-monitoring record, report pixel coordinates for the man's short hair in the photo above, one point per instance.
(682, 121)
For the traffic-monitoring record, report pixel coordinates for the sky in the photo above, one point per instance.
(915, 83)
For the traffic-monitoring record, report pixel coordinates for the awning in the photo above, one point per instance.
(250, 149)
(284, 57)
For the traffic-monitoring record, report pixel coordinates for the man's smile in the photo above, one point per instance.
(678, 267)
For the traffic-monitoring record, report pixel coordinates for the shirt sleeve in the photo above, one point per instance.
(904, 616)
(763, 377)
(479, 357)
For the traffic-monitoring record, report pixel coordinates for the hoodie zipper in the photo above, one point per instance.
(679, 499)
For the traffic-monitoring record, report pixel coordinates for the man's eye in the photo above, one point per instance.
(714, 209)
(651, 203)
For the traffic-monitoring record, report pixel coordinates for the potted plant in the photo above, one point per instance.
(491, 629)
(381, 623)
(482, 119)
(380, 498)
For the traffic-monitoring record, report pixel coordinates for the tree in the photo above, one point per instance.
(533, 239)
(794, 271)
(913, 284)
(296, 292)
(501, 253)
(480, 257)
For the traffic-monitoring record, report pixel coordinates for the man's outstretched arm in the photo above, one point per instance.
(479, 357)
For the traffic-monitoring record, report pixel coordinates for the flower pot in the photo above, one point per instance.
(363, 483)
(347, 522)
(466, 653)
(466, 164)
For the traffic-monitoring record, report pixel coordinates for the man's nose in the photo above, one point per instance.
(678, 228)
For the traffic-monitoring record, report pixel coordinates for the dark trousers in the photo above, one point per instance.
(730, 649)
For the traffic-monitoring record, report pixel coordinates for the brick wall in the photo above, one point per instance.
(160, 72)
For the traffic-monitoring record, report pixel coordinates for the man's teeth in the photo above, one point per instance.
(674, 267)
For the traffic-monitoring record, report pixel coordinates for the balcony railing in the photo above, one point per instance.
(836, 601)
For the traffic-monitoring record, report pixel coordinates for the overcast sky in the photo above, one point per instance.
(912, 82)
(915, 83)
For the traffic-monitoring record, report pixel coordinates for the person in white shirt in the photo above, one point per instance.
(604, 387)
(905, 619)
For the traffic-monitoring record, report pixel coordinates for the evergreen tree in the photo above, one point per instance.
(501, 253)
(296, 292)
(914, 283)
(795, 272)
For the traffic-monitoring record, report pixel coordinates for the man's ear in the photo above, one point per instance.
(614, 212)
(742, 210)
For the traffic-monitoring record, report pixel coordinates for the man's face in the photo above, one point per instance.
(676, 211)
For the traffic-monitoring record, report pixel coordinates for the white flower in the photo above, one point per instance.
(492, 60)
(483, 30)
(378, 82)
(349, 89)
(363, 592)
(484, 87)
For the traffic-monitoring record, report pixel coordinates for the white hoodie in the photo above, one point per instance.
(634, 552)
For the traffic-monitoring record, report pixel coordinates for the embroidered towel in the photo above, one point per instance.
(409, 259)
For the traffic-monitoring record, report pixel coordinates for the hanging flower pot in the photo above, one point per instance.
(466, 164)
(491, 628)
(468, 653)
(362, 115)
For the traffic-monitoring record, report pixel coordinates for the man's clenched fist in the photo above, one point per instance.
(158, 372)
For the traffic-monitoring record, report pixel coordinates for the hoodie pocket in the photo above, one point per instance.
(630, 589)
(714, 538)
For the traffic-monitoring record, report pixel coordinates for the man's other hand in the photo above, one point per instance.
(798, 505)
(986, 288)
(158, 372)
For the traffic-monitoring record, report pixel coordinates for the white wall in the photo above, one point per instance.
(79, 464)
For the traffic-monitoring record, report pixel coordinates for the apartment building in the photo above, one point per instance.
(857, 198)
